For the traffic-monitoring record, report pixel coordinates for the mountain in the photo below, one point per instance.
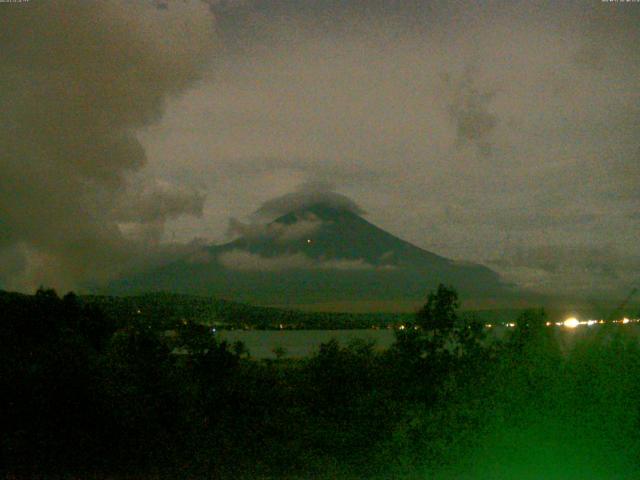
(317, 255)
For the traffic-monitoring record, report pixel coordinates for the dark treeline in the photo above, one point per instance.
(86, 395)
(163, 309)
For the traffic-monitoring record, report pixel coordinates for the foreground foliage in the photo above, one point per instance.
(87, 394)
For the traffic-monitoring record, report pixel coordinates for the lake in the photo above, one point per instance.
(301, 343)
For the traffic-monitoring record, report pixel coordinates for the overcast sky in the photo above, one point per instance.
(506, 133)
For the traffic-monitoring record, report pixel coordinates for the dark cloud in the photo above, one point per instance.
(470, 111)
(79, 78)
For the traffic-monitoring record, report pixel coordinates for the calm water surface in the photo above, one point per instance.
(301, 343)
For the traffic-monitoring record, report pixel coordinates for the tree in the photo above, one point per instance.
(438, 317)
(439, 313)
(240, 349)
(530, 327)
(470, 338)
(279, 352)
(439, 331)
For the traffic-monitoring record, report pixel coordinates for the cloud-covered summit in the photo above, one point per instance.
(308, 195)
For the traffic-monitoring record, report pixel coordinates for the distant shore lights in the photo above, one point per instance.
(571, 322)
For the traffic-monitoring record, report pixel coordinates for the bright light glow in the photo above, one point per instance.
(571, 322)
(625, 320)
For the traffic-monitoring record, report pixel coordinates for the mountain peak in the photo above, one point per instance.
(322, 211)
(312, 198)
(316, 248)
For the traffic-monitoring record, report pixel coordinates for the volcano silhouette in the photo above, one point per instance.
(316, 254)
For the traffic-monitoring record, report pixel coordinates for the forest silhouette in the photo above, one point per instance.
(92, 395)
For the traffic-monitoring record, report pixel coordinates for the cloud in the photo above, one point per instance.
(346, 264)
(554, 258)
(242, 260)
(387, 256)
(200, 257)
(306, 224)
(72, 101)
(470, 111)
(575, 268)
(308, 195)
(532, 140)
(466, 128)
(158, 201)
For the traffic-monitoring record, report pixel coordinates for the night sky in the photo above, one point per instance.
(504, 133)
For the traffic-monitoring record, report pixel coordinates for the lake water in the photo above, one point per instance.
(301, 343)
